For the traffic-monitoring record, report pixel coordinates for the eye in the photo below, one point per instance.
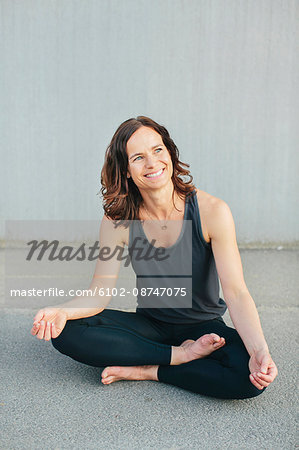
(136, 159)
(156, 150)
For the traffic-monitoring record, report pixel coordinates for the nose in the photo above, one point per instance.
(149, 162)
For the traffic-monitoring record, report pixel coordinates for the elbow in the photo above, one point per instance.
(232, 297)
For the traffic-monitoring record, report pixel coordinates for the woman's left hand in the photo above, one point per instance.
(262, 369)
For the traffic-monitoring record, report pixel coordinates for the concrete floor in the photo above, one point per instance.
(51, 401)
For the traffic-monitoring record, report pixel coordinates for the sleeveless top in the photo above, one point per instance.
(189, 264)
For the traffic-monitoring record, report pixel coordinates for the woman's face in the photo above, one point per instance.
(149, 162)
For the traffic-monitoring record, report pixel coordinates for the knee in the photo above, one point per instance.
(60, 342)
(247, 390)
(69, 342)
(56, 343)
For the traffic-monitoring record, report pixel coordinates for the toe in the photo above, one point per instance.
(105, 372)
(216, 338)
(107, 380)
(221, 342)
(218, 345)
(210, 339)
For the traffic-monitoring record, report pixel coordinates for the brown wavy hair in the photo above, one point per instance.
(121, 197)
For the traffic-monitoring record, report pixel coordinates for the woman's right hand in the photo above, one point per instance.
(49, 323)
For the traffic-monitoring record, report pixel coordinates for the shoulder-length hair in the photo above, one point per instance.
(121, 197)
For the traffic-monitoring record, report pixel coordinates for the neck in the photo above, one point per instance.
(159, 203)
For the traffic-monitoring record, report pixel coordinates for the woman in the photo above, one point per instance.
(188, 346)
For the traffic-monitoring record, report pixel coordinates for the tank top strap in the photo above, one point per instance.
(193, 214)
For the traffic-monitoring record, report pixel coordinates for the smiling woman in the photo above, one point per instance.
(176, 339)
(140, 148)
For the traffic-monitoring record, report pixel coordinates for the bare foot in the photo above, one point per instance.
(116, 373)
(190, 349)
(203, 346)
(187, 351)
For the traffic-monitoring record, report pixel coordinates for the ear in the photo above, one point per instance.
(128, 175)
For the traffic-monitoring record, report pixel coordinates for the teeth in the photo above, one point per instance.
(155, 174)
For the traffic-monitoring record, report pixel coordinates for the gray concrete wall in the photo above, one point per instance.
(220, 75)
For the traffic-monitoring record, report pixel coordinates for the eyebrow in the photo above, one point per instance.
(155, 146)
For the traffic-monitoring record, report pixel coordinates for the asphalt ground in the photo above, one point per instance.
(50, 401)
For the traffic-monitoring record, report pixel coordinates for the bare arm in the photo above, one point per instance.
(80, 307)
(105, 275)
(240, 304)
(50, 321)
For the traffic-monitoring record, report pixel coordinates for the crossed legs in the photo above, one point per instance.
(132, 346)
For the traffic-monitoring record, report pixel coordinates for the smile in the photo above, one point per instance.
(155, 175)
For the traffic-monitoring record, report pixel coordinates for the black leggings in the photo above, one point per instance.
(121, 338)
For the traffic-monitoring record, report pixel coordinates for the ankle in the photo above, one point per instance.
(178, 355)
(149, 372)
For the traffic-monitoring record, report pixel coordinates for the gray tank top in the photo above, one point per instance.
(191, 263)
